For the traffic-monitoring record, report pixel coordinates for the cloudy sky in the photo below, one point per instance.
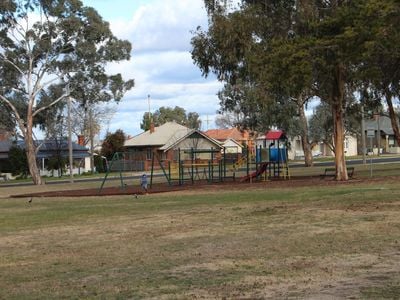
(161, 64)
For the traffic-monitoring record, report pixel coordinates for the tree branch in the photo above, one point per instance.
(15, 111)
(11, 63)
(50, 105)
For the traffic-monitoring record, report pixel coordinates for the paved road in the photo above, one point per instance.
(353, 161)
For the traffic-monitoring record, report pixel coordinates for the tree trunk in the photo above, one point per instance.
(308, 159)
(393, 117)
(30, 150)
(338, 123)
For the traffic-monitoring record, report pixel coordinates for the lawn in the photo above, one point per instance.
(307, 242)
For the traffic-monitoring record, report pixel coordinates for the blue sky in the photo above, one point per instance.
(161, 64)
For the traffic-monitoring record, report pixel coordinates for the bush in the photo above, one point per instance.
(18, 161)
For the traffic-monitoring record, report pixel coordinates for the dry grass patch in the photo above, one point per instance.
(322, 242)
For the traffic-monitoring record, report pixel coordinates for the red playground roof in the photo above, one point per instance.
(275, 135)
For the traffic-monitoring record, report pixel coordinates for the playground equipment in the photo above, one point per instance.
(261, 170)
(117, 157)
(194, 164)
(272, 162)
(212, 165)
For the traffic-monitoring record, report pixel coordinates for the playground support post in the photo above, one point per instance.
(152, 170)
(115, 157)
(247, 161)
(224, 159)
(192, 167)
(212, 164)
(180, 168)
(168, 176)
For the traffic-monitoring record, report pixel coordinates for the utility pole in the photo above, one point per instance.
(363, 132)
(71, 160)
(378, 117)
(148, 101)
(207, 121)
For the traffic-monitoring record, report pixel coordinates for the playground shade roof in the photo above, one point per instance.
(275, 135)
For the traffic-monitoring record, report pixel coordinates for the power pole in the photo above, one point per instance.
(207, 121)
(150, 118)
(363, 132)
(378, 117)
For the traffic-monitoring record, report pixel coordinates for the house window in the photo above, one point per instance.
(391, 141)
(149, 153)
(163, 155)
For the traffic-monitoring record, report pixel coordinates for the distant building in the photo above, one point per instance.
(379, 134)
(295, 147)
(243, 138)
(165, 141)
(47, 150)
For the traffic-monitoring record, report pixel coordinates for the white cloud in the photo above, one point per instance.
(161, 63)
(162, 25)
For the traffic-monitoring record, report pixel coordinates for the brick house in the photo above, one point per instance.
(243, 138)
(165, 141)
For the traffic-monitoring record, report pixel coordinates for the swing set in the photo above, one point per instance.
(212, 165)
(188, 167)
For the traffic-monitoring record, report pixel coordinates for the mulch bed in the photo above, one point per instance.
(201, 185)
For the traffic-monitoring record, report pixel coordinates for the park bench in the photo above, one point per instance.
(331, 172)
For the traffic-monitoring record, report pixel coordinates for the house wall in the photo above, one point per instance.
(232, 147)
(350, 147)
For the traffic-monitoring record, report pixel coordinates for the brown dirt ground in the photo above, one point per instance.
(204, 186)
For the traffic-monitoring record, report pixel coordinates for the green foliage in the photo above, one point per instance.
(321, 122)
(273, 54)
(99, 164)
(18, 161)
(47, 46)
(6, 121)
(168, 114)
(57, 162)
(114, 142)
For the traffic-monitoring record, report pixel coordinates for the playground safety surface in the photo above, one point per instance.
(204, 186)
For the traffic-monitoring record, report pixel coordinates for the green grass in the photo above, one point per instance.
(256, 243)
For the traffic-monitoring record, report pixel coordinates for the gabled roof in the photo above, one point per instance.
(385, 125)
(233, 141)
(171, 143)
(224, 134)
(275, 135)
(169, 131)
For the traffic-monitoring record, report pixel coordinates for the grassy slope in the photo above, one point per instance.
(303, 242)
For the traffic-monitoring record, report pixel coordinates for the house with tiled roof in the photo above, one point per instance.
(226, 136)
(165, 141)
